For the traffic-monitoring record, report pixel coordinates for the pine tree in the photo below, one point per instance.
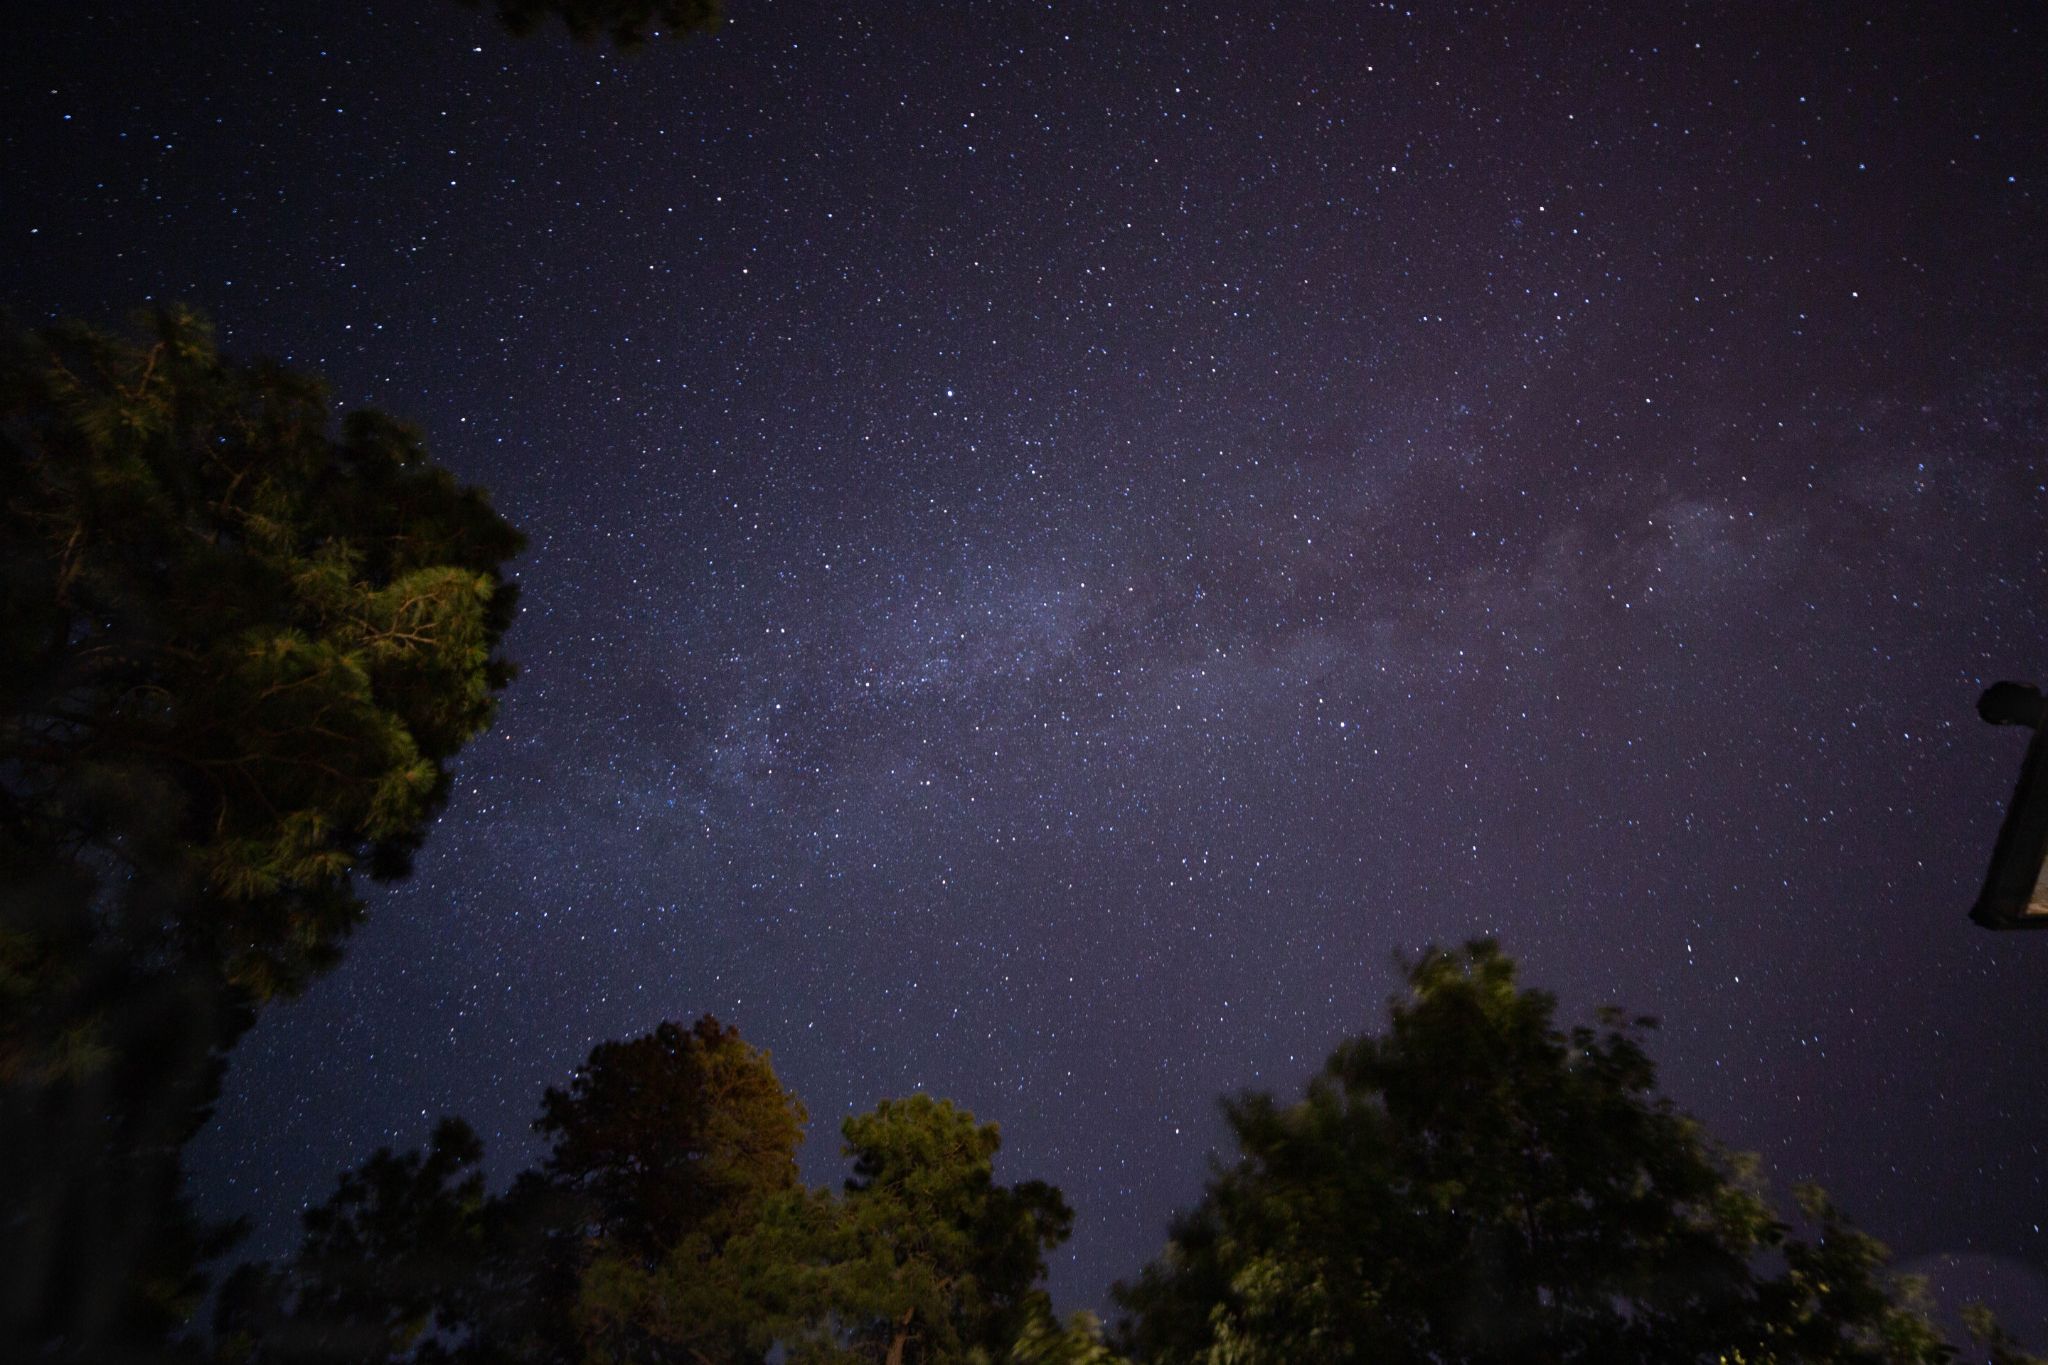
(666, 1225)
(241, 650)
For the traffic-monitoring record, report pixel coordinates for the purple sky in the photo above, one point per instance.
(1065, 536)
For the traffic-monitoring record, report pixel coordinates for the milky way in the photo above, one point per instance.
(1064, 538)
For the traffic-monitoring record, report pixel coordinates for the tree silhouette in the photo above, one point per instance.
(627, 23)
(923, 1258)
(242, 650)
(943, 1260)
(666, 1224)
(667, 1146)
(665, 1133)
(396, 1253)
(1478, 1184)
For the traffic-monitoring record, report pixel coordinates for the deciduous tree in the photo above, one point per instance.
(1478, 1184)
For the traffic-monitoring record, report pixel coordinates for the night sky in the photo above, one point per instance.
(1063, 537)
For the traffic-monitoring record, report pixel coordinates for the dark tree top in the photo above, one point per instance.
(667, 1224)
(628, 23)
(242, 650)
(1479, 1184)
(666, 1130)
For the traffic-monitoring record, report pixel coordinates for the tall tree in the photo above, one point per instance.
(666, 1224)
(667, 1133)
(395, 1257)
(670, 1144)
(923, 1260)
(1479, 1185)
(943, 1260)
(662, 1150)
(241, 651)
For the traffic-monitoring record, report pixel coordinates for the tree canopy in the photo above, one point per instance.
(666, 1223)
(664, 1133)
(242, 650)
(627, 23)
(1475, 1184)
(1478, 1184)
(945, 1260)
(923, 1257)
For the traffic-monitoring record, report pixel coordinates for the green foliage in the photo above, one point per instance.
(627, 23)
(1078, 1341)
(924, 1258)
(734, 1298)
(671, 1145)
(1999, 1347)
(667, 1224)
(661, 1149)
(666, 1133)
(241, 650)
(1478, 1184)
(394, 1253)
(1836, 1300)
(939, 1258)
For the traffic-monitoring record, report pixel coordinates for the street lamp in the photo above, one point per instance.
(2015, 894)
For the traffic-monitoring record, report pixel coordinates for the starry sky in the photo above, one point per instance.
(1065, 536)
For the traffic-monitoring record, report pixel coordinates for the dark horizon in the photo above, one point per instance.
(1062, 542)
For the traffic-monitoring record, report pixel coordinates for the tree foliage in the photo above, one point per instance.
(666, 1224)
(1479, 1184)
(241, 651)
(667, 1146)
(666, 1133)
(390, 1257)
(627, 23)
(1077, 1341)
(922, 1258)
(942, 1259)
